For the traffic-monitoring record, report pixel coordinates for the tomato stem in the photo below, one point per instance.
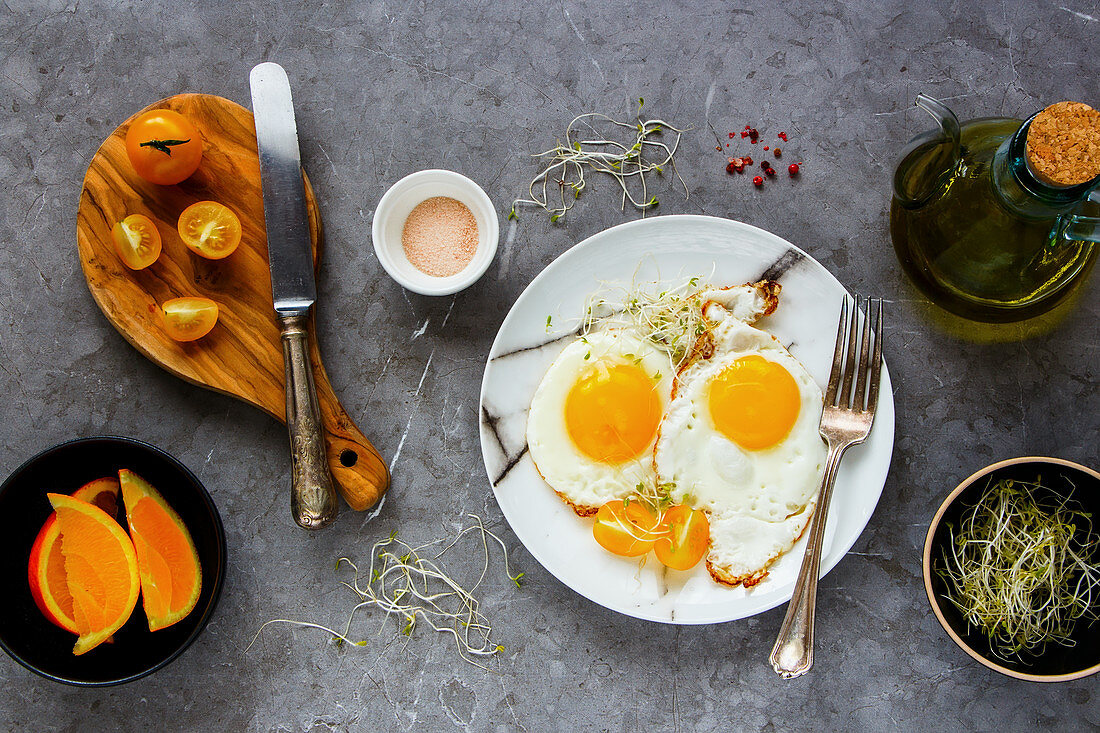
(164, 146)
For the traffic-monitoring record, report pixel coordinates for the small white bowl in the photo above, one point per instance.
(396, 205)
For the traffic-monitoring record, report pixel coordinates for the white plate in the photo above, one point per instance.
(665, 247)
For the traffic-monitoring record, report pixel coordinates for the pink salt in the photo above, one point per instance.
(440, 236)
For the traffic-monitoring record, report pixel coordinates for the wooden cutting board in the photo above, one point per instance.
(242, 356)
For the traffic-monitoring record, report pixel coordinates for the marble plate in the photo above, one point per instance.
(664, 247)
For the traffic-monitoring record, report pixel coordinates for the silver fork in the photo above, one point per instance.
(845, 421)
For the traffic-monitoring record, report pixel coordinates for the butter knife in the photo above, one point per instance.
(313, 499)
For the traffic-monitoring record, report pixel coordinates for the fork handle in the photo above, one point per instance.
(793, 653)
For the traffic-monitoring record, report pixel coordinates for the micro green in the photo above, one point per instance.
(667, 314)
(626, 162)
(1019, 566)
(413, 587)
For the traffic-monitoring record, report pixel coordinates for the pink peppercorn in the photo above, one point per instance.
(793, 169)
(758, 181)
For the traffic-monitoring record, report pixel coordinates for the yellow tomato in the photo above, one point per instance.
(625, 528)
(187, 319)
(210, 229)
(137, 241)
(685, 535)
(163, 146)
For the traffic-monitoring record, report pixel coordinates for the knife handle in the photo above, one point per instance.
(312, 495)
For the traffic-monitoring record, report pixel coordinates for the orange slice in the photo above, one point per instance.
(100, 569)
(168, 564)
(46, 568)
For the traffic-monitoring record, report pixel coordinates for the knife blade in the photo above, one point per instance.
(292, 281)
(294, 290)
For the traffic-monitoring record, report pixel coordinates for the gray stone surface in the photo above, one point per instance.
(384, 89)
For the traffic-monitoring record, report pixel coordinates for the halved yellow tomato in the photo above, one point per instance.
(684, 536)
(210, 229)
(625, 528)
(137, 241)
(187, 319)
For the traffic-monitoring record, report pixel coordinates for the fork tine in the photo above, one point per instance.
(849, 363)
(876, 364)
(864, 366)
(838, 355)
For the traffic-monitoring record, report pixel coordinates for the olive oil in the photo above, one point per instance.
(975, 231)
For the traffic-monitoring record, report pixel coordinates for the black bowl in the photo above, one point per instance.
(1055, 663)
(25, 633)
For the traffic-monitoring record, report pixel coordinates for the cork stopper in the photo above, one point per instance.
(1063, 144)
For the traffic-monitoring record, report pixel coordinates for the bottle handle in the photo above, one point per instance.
(1076, 227)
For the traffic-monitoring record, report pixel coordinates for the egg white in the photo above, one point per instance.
(584, 483)
(743, 547)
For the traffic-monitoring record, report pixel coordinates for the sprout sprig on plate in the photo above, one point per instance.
(666, 313)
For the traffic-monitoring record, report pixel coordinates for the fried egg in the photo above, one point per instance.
(740, 441)
(594, 418)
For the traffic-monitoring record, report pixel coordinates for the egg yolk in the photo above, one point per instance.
(754, 402)
(612, 413)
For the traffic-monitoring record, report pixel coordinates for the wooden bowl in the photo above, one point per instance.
(45, 649)
(1055, 663)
